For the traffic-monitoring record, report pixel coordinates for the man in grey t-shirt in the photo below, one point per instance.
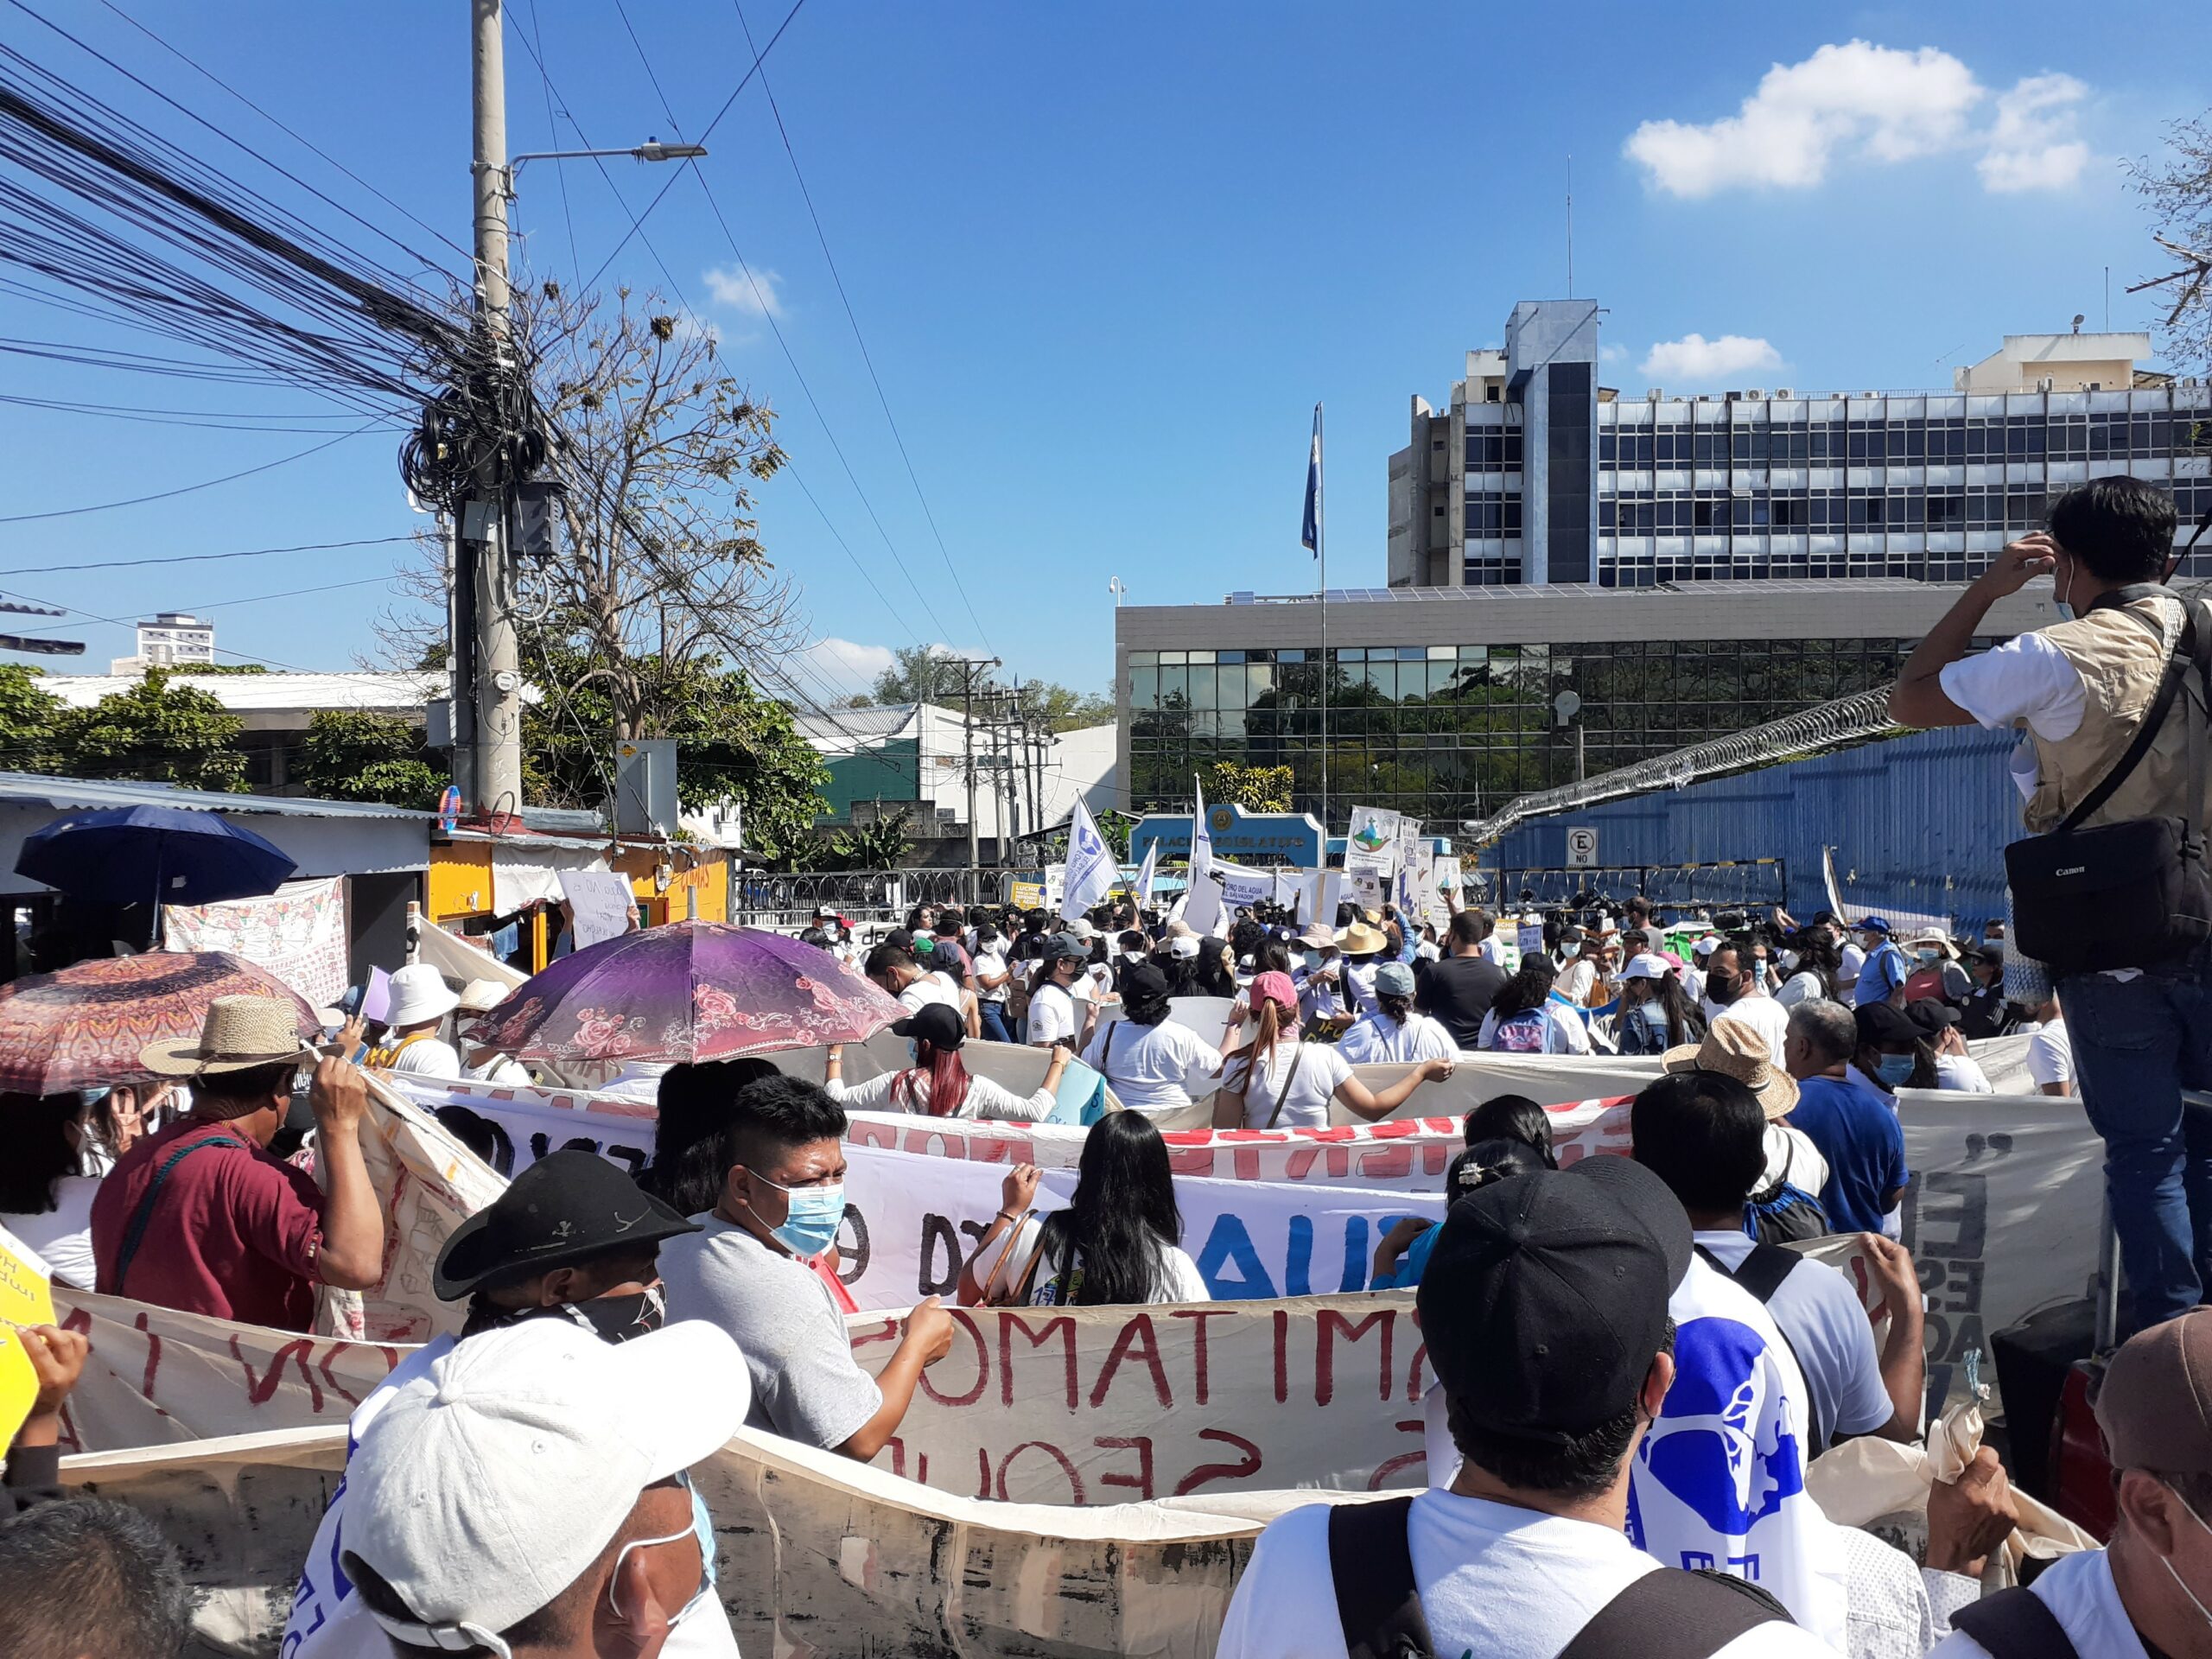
(751, 1272)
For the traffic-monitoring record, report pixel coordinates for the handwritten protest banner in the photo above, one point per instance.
(1092, 1405)
(26, 1298)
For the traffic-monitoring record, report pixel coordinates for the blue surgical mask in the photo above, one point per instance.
(815, 1214)
(2065, 608)
(1896, 1069)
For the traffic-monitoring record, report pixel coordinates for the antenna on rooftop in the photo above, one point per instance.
(1570, 227)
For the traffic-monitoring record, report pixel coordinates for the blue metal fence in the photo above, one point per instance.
(1918, 823)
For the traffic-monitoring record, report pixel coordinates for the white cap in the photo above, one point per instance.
(1705, 946)
(1647, 964)
(1185, 946)
(1082, 930)
(490, 1483)
(419, 992)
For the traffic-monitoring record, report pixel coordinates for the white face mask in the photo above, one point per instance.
(2168, 1565)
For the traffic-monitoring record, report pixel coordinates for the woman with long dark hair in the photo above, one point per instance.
(1120, 1240)
(1656, 1012)
(47, 1181)
(1151, 1062)
(937, 1084)
(1819, 964)
(1277, 1080)
(1525, 1017)
(695, 1105)
(1393, 1031)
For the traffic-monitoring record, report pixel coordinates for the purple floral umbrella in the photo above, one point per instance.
(687, 991)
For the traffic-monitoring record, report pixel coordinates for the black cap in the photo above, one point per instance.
(566, 1207)
(1879, 1023)
(1143, 983)
(1545, 1296)
(937, 1024)
(1930, 1015)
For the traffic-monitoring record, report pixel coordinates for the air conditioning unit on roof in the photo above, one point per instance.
(1655, 396)
(1757, 393)
(1783, 391)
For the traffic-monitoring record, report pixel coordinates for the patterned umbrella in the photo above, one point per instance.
(687, 991)
(84, 1026)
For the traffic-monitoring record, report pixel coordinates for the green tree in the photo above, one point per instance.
(732, 742)
(28, 717)
(352, 755)
(919, 674)
(1257, 789)
(1066, 710)
(157, 732)
(879, 846)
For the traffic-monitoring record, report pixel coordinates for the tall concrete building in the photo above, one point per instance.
(1757, 483)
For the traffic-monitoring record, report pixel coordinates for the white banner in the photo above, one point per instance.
(459, 959)
(298, 933)
(911, 1219)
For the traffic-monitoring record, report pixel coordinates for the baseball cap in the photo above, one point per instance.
(490, 1482)
(1879, 1023)
(1874, 925)
(1065, 944)
(1143, 983)
(1930, 1015)
(937, 1024)
(1394, 979)
(2153, 1404)
(1705, 946)
(1082, 930)
(1647, 965)
(566, 1207)
(1546, 1295)
(1183, 946)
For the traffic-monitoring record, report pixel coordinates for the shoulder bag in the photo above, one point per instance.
(2130, 894)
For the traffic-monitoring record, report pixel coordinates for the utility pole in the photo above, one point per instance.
(968, 666)
(489, 677)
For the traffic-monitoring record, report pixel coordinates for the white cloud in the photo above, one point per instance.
(1609, 352)
(1862, 101)
(1694, 360)
(759, 297)
(2032, 146)
(843, 665)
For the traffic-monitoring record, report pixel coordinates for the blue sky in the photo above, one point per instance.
(1105, 260)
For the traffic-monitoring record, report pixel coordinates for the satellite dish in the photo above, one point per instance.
(1567, 704)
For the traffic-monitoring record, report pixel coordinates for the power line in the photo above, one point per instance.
(553, 131)
(638, 224)
(188, 489)
(836, 276)
(198, 420)
(201, 558)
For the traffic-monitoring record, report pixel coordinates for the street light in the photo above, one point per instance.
(651, 150)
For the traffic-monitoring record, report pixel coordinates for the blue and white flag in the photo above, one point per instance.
(1145, 874)
(1719, 1480)
(1202, 906)
(1091, 866)
(1310, 536)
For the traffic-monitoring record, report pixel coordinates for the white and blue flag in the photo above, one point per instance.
(1145, 874)
(1091, 866)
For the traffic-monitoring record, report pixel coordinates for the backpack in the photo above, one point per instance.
(2015, 1623)
(1668, 1614)
(1520, 1034)
(1785, 1212)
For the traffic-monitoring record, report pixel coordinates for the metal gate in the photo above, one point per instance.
(866, 898)
(1729, 884)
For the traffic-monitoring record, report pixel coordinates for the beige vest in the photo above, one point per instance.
(2120, 663)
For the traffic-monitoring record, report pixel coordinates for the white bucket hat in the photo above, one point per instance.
(419, 992)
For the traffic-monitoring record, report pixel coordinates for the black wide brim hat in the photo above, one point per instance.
(565, 1208)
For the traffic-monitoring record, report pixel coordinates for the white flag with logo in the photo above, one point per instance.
(1145, 874)
(1202, 906)
(1091, 866)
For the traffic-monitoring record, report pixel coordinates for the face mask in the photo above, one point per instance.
(612, 1318)
(1896, 1069)
(2201, 1611)
(705, 1587)
(914, 1052)
(1758, 972)
(2066, 615)
(1722, 988)
(1928, 954)
(1132, 956)
(1310, 958)
(816, 1213)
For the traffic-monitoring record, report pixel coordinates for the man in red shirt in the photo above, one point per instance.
(199, 1217)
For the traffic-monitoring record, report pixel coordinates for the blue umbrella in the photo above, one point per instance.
(156, 854)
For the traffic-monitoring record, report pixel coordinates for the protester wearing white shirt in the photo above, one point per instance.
(2051, 1057)
(1278, 1082)
(1393, 1031)
(1732, 992)
(1151, 1062)
(1544, 1309)
(939, 1083)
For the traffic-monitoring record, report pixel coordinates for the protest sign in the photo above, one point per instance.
(912, 1219)
(1095, 1405)
(26, 1298)
(1029, 896)
(459, 959)
(1371, 846)
(600, 902)
(298, 933)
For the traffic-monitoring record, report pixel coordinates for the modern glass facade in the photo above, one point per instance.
(1450, 732)
(1743, 487)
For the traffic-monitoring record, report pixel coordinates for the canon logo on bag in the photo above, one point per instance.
(2072, 869)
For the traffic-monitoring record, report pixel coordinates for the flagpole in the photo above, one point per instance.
(1321, 553)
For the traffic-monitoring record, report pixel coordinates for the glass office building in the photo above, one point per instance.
(1420, 721)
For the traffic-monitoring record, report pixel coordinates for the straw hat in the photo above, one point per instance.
(239, 1033)
(1359, 940)
(482, 995)
(1734, 1049)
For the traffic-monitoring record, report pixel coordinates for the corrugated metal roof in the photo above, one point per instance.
(80, 794)
(252, 693)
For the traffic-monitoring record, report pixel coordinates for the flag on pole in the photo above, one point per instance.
(1145, 874)
(1309, 537)
(1202, 908)
(1091, 866)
